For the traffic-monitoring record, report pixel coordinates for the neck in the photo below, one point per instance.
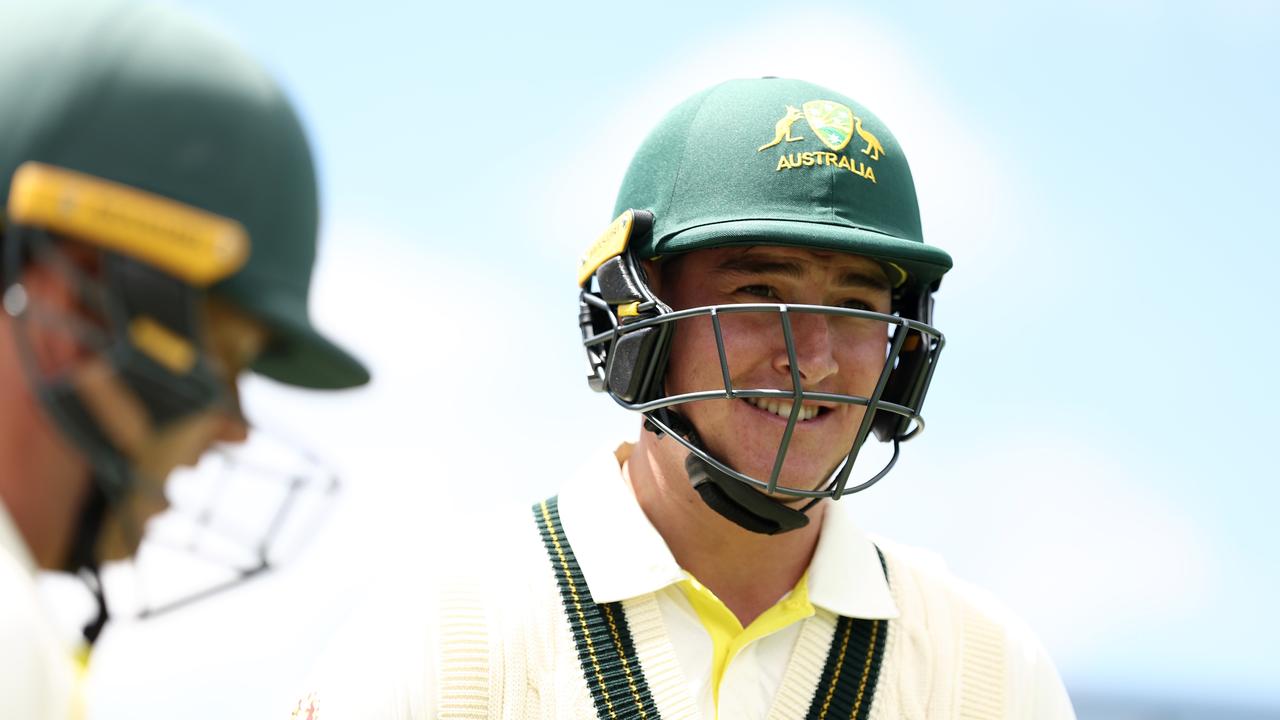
(43, 481)
(746, 570)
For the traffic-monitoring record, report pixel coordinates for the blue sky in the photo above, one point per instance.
(1099, 449)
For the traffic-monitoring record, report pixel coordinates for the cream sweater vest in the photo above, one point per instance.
(515, 657)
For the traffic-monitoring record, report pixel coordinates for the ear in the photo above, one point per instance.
(60, 269)
(55, 301)
(652, 275)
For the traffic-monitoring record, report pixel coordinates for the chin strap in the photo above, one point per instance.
(107, 483)
(92, 629)
(741, 504)
(82, 558)
(732, 499)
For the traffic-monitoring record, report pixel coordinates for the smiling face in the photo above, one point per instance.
(833, 354)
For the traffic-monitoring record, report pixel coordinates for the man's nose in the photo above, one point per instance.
(814, 349)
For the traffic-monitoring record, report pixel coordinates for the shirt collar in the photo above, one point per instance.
(622, 556)
(845, 575)
(12, 544)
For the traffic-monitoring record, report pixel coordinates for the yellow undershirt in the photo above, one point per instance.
(78, 709)
(727, 634)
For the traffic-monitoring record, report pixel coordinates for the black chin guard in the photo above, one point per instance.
(739, 503)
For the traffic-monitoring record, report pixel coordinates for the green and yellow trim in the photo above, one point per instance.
(196, 246)
(605, 647)
(174, 352)
(611, 668)
(610, 244)
(849, 677)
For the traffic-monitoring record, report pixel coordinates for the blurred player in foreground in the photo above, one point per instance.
(764, 298)
(159, 230)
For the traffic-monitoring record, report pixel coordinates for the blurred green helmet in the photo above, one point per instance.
(137, 132)
(143, 96)
(762, 162)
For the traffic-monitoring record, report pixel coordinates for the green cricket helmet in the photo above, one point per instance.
(762, 162)
(139, 133)
(143, 96)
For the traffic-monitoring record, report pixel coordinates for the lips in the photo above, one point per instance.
(782, 408)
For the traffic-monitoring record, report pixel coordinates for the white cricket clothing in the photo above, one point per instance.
(495, 642)
(37, 671)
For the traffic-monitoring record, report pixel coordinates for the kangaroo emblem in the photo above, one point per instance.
(782, 131)
(873, 148)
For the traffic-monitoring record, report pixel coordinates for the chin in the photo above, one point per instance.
(124, 527)
(113, 546)
(797, 472)
(748, 443)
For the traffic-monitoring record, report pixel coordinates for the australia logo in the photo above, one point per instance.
(834, 125)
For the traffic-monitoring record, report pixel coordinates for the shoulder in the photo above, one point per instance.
(928, 592)
(36, 672)
(430, 621)
(978, 653)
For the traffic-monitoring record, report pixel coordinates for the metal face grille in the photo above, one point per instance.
(911, 354)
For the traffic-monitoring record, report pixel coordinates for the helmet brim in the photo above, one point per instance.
(297, 353)
(310, 360)
(924, 264)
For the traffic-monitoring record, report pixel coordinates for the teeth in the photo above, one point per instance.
(782, 408)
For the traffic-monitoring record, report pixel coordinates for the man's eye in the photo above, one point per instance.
(856, 304)
(759, 291)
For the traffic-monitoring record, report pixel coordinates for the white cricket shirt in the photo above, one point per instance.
(37, 671)
(622, 556)
(388, 663)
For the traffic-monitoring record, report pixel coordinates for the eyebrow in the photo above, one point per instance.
(754, 265)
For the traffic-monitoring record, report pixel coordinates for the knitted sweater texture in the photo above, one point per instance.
(946, 656)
